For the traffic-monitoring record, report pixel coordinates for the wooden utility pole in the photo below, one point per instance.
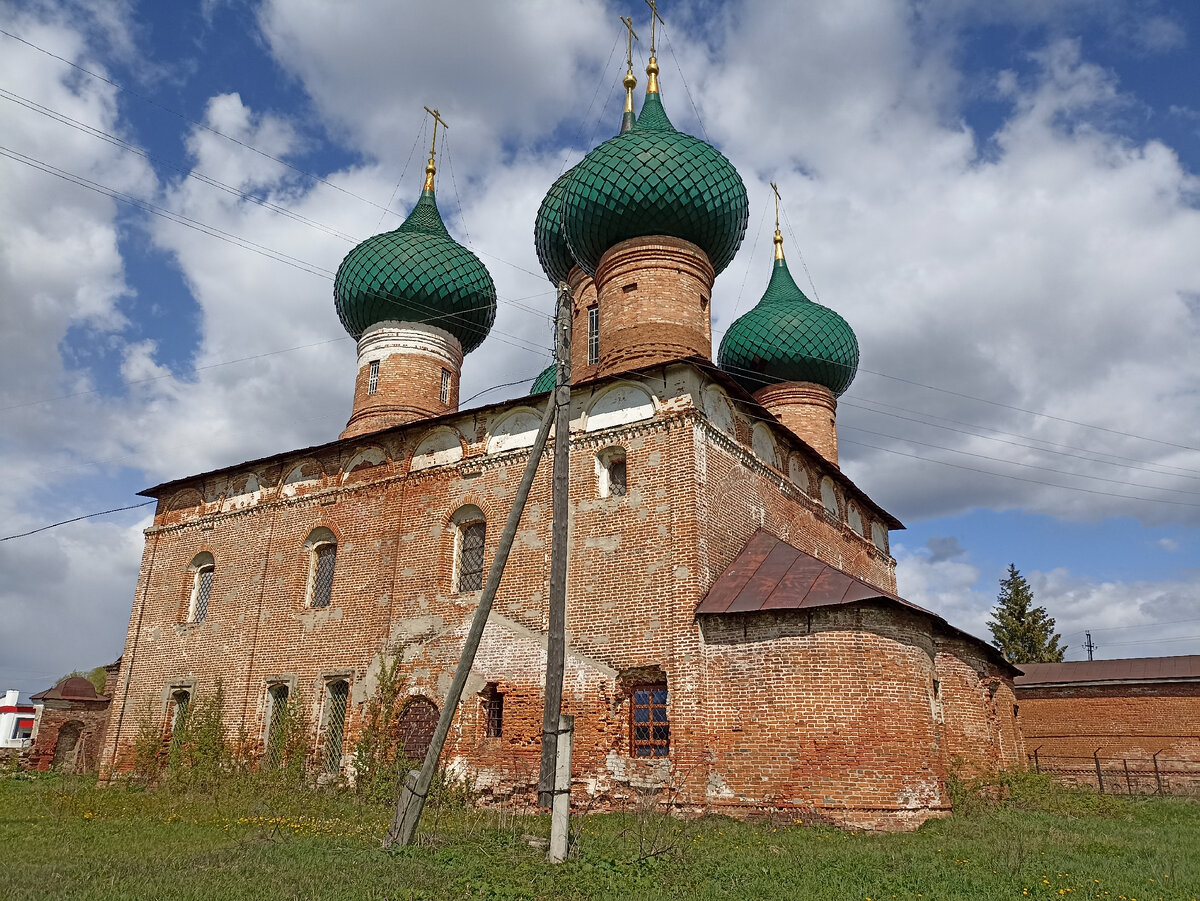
(412, 797)
(556, 638)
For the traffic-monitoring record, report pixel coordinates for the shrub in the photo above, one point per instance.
(379, 759)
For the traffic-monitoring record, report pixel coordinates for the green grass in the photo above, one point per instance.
(67, 839)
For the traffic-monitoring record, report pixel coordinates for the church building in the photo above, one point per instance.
(735, 642)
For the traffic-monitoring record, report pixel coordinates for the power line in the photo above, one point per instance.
(55, 525)
(1174, 622)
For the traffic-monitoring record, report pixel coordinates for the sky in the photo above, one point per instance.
(1002, 199)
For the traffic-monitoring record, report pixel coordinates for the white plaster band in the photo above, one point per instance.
(385, 339)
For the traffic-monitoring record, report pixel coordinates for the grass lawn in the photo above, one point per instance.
(66, 839)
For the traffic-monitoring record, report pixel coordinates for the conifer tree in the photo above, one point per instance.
(1024, 633)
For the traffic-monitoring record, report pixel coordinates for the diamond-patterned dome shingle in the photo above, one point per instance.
(546, 380)
(417, 273)
(788, 338)
(654, 180)
(552, 250)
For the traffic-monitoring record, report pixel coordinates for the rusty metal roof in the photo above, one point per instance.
(770, 574)
(1130, 669)
(76, 688)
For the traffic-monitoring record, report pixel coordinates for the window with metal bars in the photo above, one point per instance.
(337, 696)
(178, 714)
(493, 708)
(373, 377)
(593, 335)
(276, 723)
(445, 395)
(611, 472)
(202, 570)
(470, 555)
(650, 731)
(323, 564)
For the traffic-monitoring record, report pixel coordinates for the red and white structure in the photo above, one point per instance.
(16, 721)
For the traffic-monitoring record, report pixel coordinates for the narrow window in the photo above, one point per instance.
(325, 559)
(493, 708)
(611, 472)
(373, 378)
(179, 704)
(337, 695)
(593, 335)
(445, 386)
(650, 730)
(470, 555)
(202, 569)
(277, 698)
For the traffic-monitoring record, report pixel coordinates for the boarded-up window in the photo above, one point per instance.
(323, 566)
(650, 732)
(470, 556)
(416, 727)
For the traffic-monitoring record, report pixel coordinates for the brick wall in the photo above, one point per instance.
(70, 735)
(639, 564)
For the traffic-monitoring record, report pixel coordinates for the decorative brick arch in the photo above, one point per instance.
(440, 446)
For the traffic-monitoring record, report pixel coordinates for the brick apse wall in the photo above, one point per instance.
(855, 719)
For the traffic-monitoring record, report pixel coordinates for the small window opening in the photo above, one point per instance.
(493, 708)
(180, 699)
(649, 727)
(1016, 710)
(470, 555)
(593, 335)
(373, 378)
(203, 567)
(324, 562)
(704, 301)
(337, 696)
(630, 288)
(612, 473)
(276, 722)
(937, 690)
(445, 395)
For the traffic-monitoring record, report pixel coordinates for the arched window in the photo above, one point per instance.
(321, 550)
(611, 472)
(470, 534)
(200, 571)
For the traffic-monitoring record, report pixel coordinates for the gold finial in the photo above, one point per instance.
(778, 233)
(430, 168)
(630, 80)
(652, 66)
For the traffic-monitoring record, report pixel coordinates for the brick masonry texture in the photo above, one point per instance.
(1120, 722)
(409, 388)
(832, 715)
(809, 410)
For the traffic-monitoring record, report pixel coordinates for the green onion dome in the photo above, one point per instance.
(654, 180)
(417, 273)
(546, 380)
(552, 250)
(788, 338)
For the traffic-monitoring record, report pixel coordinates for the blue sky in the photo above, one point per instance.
(1000, 198)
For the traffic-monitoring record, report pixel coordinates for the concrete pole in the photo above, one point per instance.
(412, 797)
(560, 817)
(556, 627)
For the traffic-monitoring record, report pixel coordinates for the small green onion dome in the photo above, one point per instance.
(546, 380)
(417, 273)
(552, 250)
(654, 180)
(788, 338)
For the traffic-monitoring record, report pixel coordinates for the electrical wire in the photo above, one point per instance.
(400, 180)
(55, 525)
(591, 103)
(695, 109)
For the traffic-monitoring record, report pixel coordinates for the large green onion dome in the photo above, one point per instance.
(552, 250)
(546, 380)
(654, 180)
(417, 273)
(788, 338)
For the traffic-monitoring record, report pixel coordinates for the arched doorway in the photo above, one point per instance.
(66, 747)
(415, 727)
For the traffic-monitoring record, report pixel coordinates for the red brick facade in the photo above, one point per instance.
(72, 723)
(853, 714)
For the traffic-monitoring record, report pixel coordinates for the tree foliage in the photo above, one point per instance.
(1024, 633)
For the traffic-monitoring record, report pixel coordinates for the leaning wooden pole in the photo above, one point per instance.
(556, 638)
(412, 796)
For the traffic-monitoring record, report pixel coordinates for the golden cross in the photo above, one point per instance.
(437, 117)
(632, 36)
(775, 188)
(654, 17)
